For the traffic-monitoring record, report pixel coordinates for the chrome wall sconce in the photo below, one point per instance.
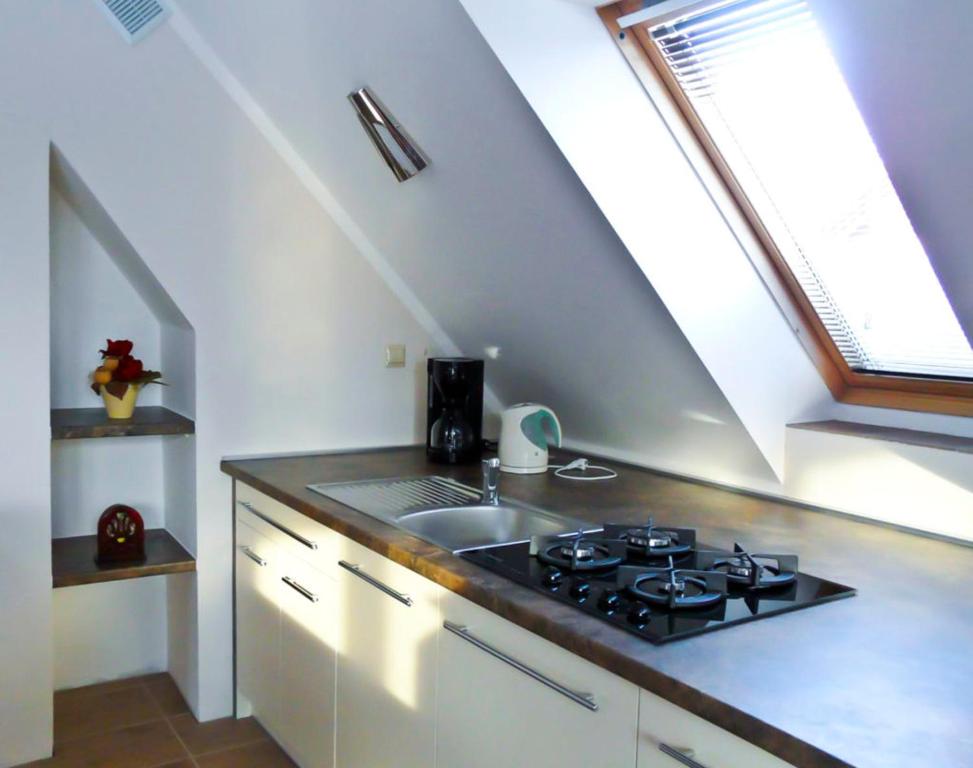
(391, 141)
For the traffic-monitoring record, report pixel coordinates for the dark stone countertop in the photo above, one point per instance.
(880, 680)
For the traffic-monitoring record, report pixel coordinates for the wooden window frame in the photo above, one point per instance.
(846, 385)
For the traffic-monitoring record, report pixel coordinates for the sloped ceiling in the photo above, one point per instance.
(908, 64)
(497, 238)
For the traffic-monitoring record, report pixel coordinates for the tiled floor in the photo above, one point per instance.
(143, 722)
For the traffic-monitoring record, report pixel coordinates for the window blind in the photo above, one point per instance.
(761, 79)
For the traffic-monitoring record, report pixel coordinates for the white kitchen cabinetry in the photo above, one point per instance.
(671, 737)
(352, 660)
(388, 620)
(307, 664)
(285, 645)
(257, 627)
(508, 697)
(293, 532)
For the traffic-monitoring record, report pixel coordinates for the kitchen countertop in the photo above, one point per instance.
(880, 680)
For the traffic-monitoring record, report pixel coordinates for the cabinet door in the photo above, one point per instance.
(671, 737)
(388, 618)
(307, 664)
(257, 628)
(508, 697)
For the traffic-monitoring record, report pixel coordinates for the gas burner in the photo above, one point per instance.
(580, 549)
(673, 588)
(579, 553)
(623, 576)
(651, 541)
(743, 568)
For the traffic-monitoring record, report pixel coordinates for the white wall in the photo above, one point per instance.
(109, 631)
(909, 485)
(497, 238)
(290, 322)
(595, 109)
(92, 300)
(25, 515)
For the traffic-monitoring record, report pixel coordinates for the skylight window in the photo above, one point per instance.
(760, 81)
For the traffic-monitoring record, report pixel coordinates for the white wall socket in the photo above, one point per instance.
(395, 356)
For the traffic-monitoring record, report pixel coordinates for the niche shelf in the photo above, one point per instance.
(73, 560)
(101, 287)
(75, 423)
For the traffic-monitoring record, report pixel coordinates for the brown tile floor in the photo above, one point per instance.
(143, 722)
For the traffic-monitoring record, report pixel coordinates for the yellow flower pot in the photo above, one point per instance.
(120, 407)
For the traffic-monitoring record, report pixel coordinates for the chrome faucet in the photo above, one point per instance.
(491, 481)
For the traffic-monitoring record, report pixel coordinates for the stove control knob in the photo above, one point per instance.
(552, 577)
(639, 614)
(580, 590)
(609, 601)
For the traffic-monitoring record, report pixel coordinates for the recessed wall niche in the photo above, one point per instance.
(101, 288)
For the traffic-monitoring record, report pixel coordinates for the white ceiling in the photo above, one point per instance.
(908, 64)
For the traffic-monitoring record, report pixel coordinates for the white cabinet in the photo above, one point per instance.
(257, 628)
(285, 627)
(388, 618)
(508, 697)
(671, 737)
(354, 661)
(294, 533)
(307, 664)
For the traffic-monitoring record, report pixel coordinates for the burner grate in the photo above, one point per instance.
(673, 588)
(756, 571)
(577, 553)
(654, 541)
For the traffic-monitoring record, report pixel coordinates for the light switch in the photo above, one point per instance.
(395, 356)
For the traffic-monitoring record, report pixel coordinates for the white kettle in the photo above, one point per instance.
(523, 441)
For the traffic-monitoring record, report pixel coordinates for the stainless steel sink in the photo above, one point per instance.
(447, 513)
(483, 525)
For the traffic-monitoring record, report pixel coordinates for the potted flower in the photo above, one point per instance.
(120, 377)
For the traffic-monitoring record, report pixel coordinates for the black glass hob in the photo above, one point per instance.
(657, 581)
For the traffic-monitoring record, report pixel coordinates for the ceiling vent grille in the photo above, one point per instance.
(134, 19)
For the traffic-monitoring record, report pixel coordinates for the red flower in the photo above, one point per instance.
(119, 348)
(129, 368)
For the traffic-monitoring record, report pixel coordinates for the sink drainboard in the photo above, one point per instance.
(392, 497)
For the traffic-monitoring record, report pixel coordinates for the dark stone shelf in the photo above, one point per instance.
(75, 423)
(73, 560)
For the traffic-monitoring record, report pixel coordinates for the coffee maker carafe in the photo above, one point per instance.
(454, 420)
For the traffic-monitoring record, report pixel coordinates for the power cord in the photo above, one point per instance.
(582, 465)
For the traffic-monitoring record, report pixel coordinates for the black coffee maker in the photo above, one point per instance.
(454, 419)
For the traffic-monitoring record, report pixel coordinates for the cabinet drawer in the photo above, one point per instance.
(509, 697)
(307, 663)
(395, 581)
(297, 534)
(256, 545)
(388, 618)
(663, 725)
(257, 627)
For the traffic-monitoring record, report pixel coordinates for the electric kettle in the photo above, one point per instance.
(523, 440)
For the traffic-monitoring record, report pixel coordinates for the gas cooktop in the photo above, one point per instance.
(658, 582)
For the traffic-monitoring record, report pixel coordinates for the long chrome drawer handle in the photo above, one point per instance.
(586, 700)
(282, 528)
(356, 569)
(254, 556)
(680, 755)
(301, 589)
